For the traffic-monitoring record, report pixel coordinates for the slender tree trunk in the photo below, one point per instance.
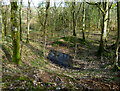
(98, 23)
(102, 41)
(5, 22)
(54, 19)
(2, 24)
(104, 30)
(74, 22)
(54, 26)
(20, 18)
(89, 18)
(108, 21)
(15, 33)
(44, 28)
(83, 21)
(0, 13)
(105, 21)
(118, 37)
(28, 21)
(69, 19)
(20, 26)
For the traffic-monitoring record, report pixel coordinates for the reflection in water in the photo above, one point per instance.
(60, 58)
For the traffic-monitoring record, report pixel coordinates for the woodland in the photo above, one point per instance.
(60, 46)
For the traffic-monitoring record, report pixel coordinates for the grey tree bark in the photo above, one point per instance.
(73, 16)
(104, 28)
(83, 21)
(28, 21)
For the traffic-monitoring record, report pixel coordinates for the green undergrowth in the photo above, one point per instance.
(9, 38)
(69, 41)
(72, 39)
(19, 82)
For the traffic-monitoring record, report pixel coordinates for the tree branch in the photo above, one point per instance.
(98, 5)
(91, 3)
(112, 6)
(101, 9)
(78, 11)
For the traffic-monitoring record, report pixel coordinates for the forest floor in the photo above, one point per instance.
(93, 73)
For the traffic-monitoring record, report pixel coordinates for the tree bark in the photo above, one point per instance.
(73, 16)
(4, 21)
(105, 21)
(104, 29)
(98, 22)
(15, 33)
(20, 18)
(28, 21)
(44, 28)
(54, 15)
(2, 25)
(118, 37)
(83, 21)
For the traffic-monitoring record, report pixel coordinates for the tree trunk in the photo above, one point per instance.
(83, 21)
(118, 37)
(69, 18)
(4, 21)
(44, 28)
(20, 18)
(104, 29)
(28, 21)
(2, 24)
(105, 21)
(15, 33)
(98, 22)
(73, 15)
(108, 21)
(54, 15)
(0, 20)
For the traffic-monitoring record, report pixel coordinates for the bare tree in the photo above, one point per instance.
(44, 28)
(103, 7)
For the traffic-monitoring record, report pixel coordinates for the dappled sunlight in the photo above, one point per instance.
(60, 48)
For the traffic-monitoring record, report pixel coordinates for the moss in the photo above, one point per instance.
(2, 34)
(57, 43)
(27, 41)
(15, 34)
(22, 78)
(116, 67)
(9, 38)
(16, 49)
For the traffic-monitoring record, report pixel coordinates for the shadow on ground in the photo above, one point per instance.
(34, 50)
(7, 53)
